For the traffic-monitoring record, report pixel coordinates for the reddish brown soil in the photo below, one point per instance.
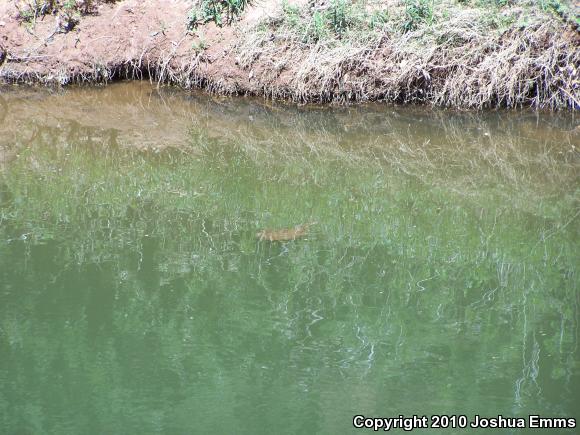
(132, 36)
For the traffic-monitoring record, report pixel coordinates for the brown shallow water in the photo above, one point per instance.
(142, 115)
(137, 296)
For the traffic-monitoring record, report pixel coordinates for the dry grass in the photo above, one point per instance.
(459, 61)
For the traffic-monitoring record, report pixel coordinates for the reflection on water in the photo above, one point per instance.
(135, 296)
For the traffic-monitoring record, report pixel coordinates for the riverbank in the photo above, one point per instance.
(470, 54)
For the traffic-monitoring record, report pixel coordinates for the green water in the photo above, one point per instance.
(441, 276)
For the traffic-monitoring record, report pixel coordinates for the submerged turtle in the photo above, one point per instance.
(285, 234)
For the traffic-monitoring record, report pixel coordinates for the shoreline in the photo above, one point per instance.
(262, 53)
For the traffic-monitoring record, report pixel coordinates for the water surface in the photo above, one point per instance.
(441, 276)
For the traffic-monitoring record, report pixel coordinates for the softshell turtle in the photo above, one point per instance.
(284, 234)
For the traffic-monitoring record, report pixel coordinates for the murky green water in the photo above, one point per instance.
(441, 276)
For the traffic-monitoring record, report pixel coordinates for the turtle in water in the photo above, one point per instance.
(284, 234)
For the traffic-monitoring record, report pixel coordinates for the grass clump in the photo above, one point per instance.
(417, 12)
(31, 10)
(332, 21)
(218, 11)
(69, 12)
(562, 10)
(340, 16)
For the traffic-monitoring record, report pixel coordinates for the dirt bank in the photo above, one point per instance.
(451, 56)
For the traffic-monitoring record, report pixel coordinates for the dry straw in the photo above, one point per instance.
(454, 62)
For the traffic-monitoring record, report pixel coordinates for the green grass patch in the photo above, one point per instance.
(218, 11)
